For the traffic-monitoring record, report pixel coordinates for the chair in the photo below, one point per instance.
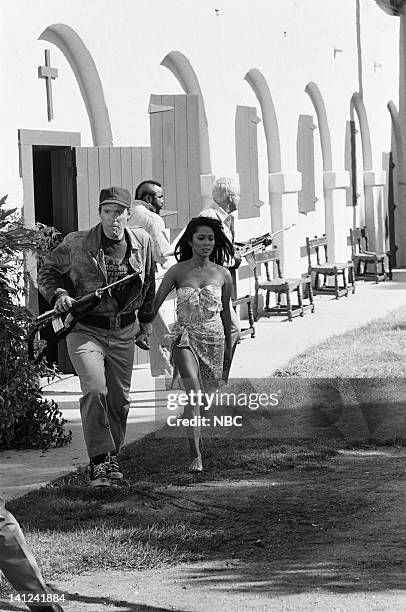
(323, 268)
(238, 301)
(247, 299)
(363, 258)
(281, 287)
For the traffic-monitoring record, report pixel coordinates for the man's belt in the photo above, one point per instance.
(109, 322)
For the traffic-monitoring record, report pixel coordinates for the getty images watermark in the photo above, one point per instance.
(289, 407)
(217, 401)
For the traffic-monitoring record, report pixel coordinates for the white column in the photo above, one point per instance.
(283, 188)
(374, 213)
(334, 186)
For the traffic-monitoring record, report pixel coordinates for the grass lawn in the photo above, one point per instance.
(377, 349)
(74, 529)
(140, 524)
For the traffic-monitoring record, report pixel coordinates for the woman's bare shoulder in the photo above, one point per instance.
(178, 270)
(224, 272)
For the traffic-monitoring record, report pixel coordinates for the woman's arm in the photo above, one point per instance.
(225, 314)
(167, 284)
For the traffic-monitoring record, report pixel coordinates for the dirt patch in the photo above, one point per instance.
(320, 536)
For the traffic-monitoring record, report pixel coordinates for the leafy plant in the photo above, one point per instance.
(27, 420)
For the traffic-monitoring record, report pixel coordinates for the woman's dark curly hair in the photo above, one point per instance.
(223, 250)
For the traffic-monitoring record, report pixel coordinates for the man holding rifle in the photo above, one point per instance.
(101, 343)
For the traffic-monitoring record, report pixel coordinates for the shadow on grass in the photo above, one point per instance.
(280, 508)
(294, 578)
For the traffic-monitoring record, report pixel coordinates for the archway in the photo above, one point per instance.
(258, 83)
(183, 71)
(87, 76)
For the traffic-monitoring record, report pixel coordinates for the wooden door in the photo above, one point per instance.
(175, 149)
(246, 150)
(351, 163)
(64, 190)
(305, 164)
(64, 214)
(391, 207)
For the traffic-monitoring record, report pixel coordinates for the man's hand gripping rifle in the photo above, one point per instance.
(255, 245)
(62, 324)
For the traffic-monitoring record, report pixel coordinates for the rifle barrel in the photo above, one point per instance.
(117, 282)
(283, 229)
(45, 315)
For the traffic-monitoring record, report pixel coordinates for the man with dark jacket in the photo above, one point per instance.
(101, 344)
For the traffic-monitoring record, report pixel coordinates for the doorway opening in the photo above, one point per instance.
(47, 171)
(54, 205)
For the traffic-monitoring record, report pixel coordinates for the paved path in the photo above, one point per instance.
(277, 341)
(23, 471)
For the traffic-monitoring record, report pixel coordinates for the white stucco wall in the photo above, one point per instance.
(290, 41)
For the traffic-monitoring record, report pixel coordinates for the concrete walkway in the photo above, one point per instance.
(276, 341)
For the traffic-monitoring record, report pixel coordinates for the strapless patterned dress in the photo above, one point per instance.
(199, 327)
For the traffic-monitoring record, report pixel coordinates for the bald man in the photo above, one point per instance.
(148, 203)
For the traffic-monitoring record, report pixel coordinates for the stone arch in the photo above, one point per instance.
(313, 92)
(183, 71)
(397, 130)
(87, 76)
(358, 105)
(258, 83)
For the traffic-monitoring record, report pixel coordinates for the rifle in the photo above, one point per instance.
(79, 309)
(254, 245)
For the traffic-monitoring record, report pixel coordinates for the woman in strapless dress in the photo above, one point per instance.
(201, 336)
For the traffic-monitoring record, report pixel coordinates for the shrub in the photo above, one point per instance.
(27, 420)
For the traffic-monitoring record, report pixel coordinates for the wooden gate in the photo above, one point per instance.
(99, 167)
(174, 126)
(93, 169)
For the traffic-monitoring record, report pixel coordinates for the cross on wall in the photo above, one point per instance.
(48, 73)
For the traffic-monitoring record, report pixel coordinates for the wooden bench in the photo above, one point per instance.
(323, 269)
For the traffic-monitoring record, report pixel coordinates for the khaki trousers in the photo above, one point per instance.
(103, 360)
(17, 561)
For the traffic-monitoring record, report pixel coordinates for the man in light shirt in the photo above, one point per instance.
(149, 201)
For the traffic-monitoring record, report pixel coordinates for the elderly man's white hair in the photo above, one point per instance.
(224, 187)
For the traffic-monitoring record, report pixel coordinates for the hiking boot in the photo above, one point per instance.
(113, 468)
(98, 474)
